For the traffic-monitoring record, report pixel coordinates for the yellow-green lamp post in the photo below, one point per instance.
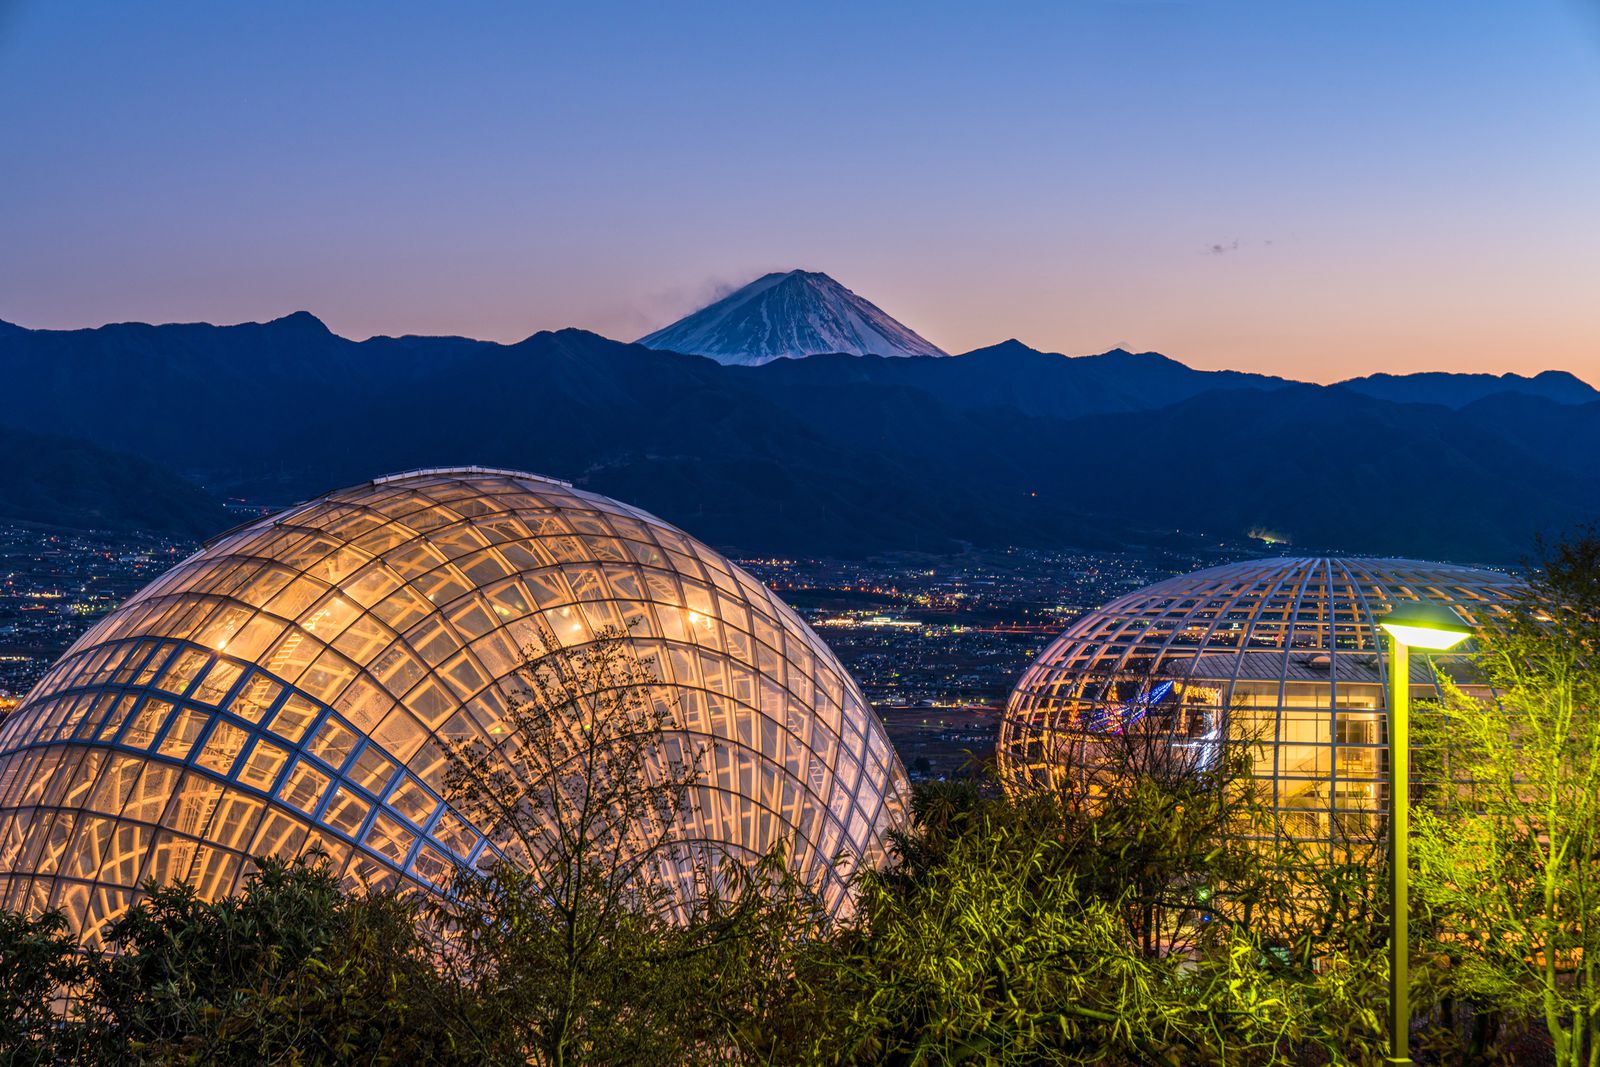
(1435, 627)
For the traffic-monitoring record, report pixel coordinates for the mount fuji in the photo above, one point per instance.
(788, 315)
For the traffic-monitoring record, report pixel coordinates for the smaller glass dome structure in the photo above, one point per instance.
(296, 681)
(1283, 654)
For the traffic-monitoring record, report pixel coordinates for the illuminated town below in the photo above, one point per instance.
(936, 641)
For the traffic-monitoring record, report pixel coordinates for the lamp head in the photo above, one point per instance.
(1424, 625)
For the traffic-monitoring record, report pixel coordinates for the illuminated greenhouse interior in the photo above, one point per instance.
(292, 685)
(1283, 655)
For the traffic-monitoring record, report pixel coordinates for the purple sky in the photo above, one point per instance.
(1311, 190)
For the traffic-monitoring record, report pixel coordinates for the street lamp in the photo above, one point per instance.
(1434, 627)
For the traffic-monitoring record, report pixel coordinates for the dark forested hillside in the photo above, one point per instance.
(71, 483)
(830, 454)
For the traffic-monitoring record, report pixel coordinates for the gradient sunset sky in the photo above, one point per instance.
(1316, 191)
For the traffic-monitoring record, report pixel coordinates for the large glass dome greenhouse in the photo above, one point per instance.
(1284, 655)
(290, 685)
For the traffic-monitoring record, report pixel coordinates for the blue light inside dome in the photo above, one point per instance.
(1119, 718)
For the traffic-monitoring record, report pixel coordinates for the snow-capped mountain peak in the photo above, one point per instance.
(790, 314)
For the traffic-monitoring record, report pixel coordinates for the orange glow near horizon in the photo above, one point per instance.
(1311, 192)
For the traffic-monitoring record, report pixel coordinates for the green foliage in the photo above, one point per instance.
(995, 940)
(292, 970)
(1510, 878)
(38, 960)
(1159, 916)
(1006, 942)
(735, 992)
(531, 988)
(562, 949)
(1139, 928)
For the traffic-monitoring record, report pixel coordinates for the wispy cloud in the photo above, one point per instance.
(657, 309)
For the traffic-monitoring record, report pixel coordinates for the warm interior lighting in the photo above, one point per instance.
(279, 746)
(1429, 626)
(1254, 661)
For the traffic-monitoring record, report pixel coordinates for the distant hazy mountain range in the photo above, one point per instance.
(834, 453)
(1459, 390)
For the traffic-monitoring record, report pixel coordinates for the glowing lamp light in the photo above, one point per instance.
(1429, 626)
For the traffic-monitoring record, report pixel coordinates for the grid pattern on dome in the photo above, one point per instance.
(1286, 652)
(290, 685)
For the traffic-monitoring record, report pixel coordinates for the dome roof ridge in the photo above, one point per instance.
(427, 472)
(1291, 563)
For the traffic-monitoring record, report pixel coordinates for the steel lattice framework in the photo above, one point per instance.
(290, 684)
(1284, 651)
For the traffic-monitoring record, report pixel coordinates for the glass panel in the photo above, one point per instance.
(388, 838)
(214, 687)
(257, 695)
(371, 770)
(116, 783)
(261, 768)
(345, 811)
(281, 835)
(183, 733)
(303, 787)
(222, 748)
(151, 795)
(294, 717)
(183, 669)
(412, 800)
(147, 722)
(332, 744)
